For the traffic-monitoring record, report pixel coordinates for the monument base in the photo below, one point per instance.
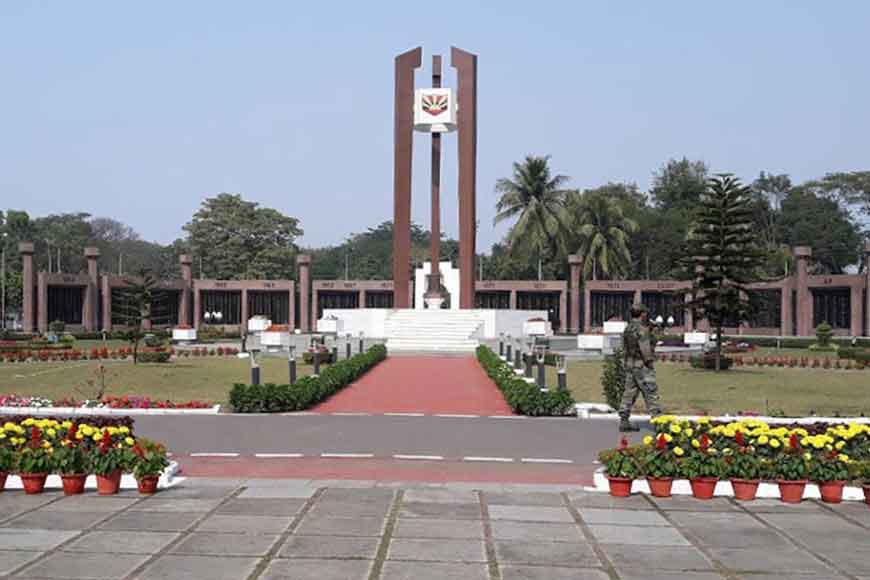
(434, 302)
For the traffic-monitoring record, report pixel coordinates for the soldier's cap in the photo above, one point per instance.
(638, 309)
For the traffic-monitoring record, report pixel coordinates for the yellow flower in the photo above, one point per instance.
(726, 451)
(713, 451)
(675, 429)
(678, 451)
(87, 430)
(66, 424)
(689, 432)
(774, 443)
(840, 445)
(130, 441)
(50, 432)
(695, 443)
(123, 430)
(97, 436)
(763, 440)
(808, 456)
(46, 444)
(843, 457)
(648, 440)
(2, 435)
(668, 437)
(703, 421)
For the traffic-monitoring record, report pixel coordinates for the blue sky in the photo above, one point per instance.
(139, 110)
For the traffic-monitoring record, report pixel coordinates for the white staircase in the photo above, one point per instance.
(445, 331)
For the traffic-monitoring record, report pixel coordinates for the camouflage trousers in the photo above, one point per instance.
(640, 380)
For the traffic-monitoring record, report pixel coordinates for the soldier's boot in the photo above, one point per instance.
(626, 426)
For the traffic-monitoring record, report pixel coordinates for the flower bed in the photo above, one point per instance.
(524, 398)
(309, 390)
(746, 453)
(34, 448)
(146, 354)
(802, 362)
(107, 402)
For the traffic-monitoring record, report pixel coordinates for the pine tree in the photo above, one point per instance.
(725, 256)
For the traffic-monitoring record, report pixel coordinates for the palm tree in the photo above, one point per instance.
(537, 200)
(602, 233)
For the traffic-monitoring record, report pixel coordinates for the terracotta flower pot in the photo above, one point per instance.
(109, 484)
(660, 486)
(703, 487)
(832, 491)
(3, 476)
(74, 483)
(866, 494)
(33, 482)
(148, 484)
(620, 486)
(745, 489)
(791, 491)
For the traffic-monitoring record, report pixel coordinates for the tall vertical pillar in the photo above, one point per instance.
(92, 293)
(197, 307)
(107, 304)
(26, 250)
(867, 286)
(187, 277)
(513, 300)
(465, 64)
(804, 297)
(856, 300)
(303, 263)
(785, 310)
(563, 310)
(42, 302)
(587, 305)
(688, 319)
(403, 140)
(433, 285)
(244, 321)
(575, 265)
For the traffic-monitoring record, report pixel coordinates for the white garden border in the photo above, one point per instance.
(99, 411)
(167, 479)
(723, 488)
(604, 411)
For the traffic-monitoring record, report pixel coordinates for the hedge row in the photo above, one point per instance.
(97, 421)
(793, 341)
(523, 398)
(308, 391)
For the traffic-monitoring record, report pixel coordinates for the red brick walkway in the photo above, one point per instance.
(427, 385)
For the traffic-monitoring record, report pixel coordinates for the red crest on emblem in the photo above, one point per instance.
(434, 104)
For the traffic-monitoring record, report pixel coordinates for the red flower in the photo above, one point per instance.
(623, 443)
(138, 450)
(793, 441)
(661, 442)
(739, 438)
(705, 443)
(35, 434)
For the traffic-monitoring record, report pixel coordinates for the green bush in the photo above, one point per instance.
(308, 391)
(523, 398)
(151, 356)
(57, 326)
(613, 378)
(824, 332)
(707, 361)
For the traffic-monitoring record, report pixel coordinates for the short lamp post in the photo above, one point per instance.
(562, 372)
(347, 345)
(315, 358)
(500, 344)
(529, 354)
(540, 357)
(334, 349)
(361, 340)
(507, 348)
(518, 354)
(255, 369)
(291, 363)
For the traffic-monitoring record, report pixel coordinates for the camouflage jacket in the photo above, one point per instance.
(638, 344)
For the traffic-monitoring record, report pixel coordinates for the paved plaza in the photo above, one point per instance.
(229, 529)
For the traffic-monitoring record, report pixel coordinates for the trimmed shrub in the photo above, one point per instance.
(613, 378)
(523, 398)
(154, 356)
(308, 391)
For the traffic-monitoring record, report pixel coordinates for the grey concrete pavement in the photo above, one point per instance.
(578, 440)
(221, 529)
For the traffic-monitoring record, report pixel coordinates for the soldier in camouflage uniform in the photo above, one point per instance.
(640, 376)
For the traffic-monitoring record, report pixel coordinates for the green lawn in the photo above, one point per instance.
(206, 379)
(687, 390)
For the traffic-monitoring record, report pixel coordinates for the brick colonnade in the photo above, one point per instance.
(575, 298)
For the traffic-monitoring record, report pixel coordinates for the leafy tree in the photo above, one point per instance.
(850, 187)
(140, 300)
(536, 199)
(769, 191)
(238, 239)
(602, 233)
(819, 222)
(679, 185)
(725, 257)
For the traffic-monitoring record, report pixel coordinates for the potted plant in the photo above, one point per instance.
(702, 467)
(862, 477)
(7, 456)
(791, 469)
(621, 467)
(70, 460)
(658, 464)
(148, 462)
(34, 461)
(830, 470)
(107, 458)
(743, 468)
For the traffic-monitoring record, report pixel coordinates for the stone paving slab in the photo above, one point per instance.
(360, 530)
